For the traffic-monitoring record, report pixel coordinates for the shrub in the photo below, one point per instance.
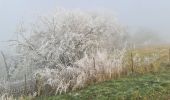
(72, 49)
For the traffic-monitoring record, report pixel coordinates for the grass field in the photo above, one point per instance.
(151, 86)
(147, 86)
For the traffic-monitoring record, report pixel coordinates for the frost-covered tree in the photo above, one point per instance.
(67, 45)
(67, 36)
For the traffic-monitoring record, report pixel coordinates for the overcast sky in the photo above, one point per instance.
(151, 14)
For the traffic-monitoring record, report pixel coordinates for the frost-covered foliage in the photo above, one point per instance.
(70, 49)
(147, 60)
(65, 37)
(86, 71)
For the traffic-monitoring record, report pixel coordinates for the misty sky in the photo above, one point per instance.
(151, 14)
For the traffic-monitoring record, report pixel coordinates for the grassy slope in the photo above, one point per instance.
(151, 86)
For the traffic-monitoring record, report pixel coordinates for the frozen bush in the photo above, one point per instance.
(71, 49)
(86, 71)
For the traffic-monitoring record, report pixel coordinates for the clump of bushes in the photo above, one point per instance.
(71, 49)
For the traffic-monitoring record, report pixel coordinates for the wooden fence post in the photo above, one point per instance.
(94, 63)
(132, 63)
(169, 54)
(25, 90)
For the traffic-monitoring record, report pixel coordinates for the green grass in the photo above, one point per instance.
(150, 86)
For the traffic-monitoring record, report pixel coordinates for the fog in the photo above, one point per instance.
(134, 15)
(66, 45)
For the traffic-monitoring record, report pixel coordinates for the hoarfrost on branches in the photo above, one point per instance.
(70, 49)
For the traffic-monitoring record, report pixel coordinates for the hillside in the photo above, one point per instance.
(147, 86)
(151, 86)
